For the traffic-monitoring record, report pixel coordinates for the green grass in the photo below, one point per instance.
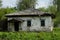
(54, 35)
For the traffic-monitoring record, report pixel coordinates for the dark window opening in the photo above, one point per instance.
(29, 23)
(42, 22)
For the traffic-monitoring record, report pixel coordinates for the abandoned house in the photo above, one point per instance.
(30, 20)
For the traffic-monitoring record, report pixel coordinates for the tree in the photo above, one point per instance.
(24, 4)
(4, 11)
(51, 9)
(57, 3)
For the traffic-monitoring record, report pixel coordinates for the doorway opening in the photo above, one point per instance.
(16, 26)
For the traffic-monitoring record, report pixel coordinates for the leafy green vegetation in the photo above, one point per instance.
(57, 3)
(25, 4)
(51, 9)
(54, 35)
(4, 11)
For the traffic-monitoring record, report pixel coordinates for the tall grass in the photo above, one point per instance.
(54, 35)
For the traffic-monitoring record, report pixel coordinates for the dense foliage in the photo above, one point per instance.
(24, 4)
(57, 3)
(51, 9)
(4, 11)
(54, 35)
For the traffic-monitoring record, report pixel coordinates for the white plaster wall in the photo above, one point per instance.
(48, 24)
(36, 23)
